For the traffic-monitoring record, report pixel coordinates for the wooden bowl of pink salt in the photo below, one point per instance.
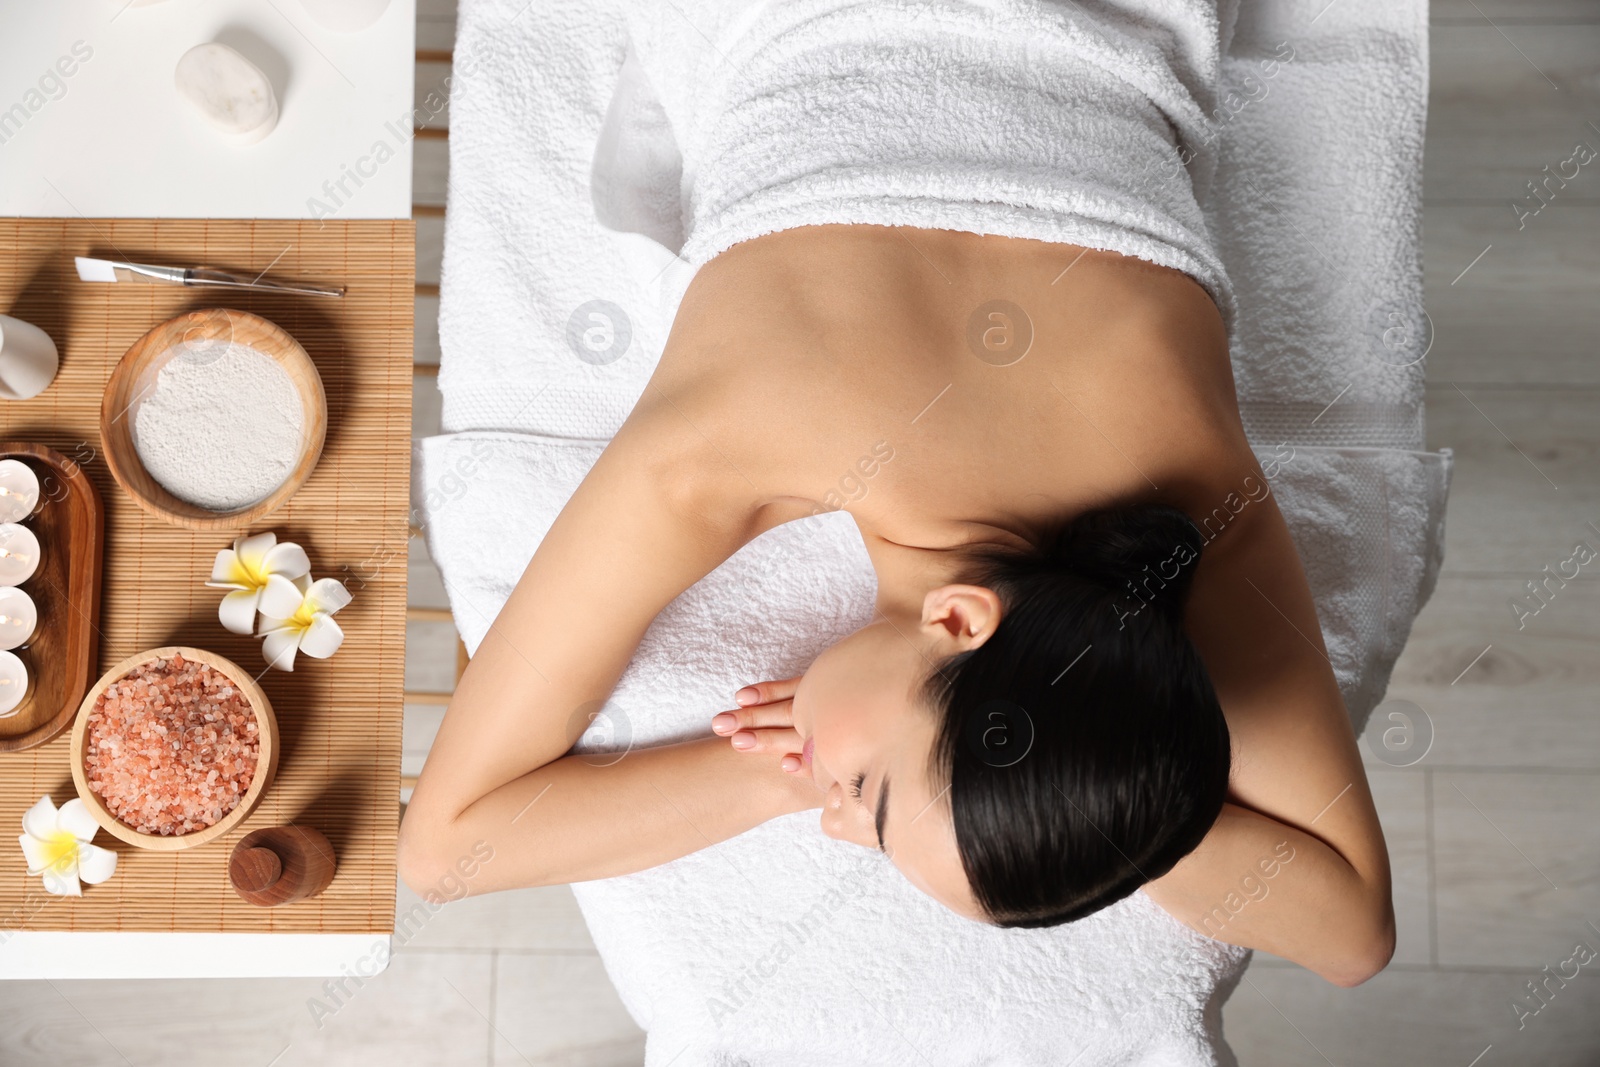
(173, 747)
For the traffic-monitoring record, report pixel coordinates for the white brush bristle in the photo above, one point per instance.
(95, 270)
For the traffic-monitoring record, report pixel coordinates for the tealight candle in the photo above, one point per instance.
(19, 617)
(13, 683)
(19, 490)
(19, 554)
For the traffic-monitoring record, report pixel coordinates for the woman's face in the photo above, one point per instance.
(864, 732)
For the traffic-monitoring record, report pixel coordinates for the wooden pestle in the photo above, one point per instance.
(279, 864)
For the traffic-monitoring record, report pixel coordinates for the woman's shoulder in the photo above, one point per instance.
(707, 457)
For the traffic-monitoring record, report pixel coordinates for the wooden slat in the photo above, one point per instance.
(429, 615)
(433, 133)
(427, 289)
(433, 55)
(425, 370)
(433, 700)
(427, 211)
(339, 719)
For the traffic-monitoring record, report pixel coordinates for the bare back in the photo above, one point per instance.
(947, 388)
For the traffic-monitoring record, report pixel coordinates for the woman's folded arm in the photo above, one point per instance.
(1297, 786)
(1260, 883)
(645, 524)
(584, 817)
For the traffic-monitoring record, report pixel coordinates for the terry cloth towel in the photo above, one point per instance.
(1016, 117)
(578, 204)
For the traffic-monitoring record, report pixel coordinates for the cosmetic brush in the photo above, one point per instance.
(105, 270)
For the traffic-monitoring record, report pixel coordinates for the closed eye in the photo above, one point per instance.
(856, 784)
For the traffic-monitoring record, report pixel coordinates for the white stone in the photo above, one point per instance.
(229, 91)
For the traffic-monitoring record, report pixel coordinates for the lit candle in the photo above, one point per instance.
(13, 683)
(19, 490)
(19, 554)
(18, 618)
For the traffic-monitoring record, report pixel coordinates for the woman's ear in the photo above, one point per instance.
(960, 617)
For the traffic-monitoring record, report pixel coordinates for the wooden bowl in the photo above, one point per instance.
(266, 762)
(135, 376)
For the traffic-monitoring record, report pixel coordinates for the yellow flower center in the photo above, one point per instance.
(61, 852)
(246, 575)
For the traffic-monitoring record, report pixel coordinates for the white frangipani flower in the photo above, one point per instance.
(298, 616)
(56, 844)
(250, 568)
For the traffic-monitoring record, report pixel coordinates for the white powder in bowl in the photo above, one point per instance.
(222, 426)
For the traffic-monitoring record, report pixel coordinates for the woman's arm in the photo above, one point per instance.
(1259, 883)
(1298, 784)
(658, 511)
(582, 817)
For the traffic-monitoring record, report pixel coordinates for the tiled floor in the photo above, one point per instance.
(1493, 834)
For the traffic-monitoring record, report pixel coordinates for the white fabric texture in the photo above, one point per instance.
(587, 185)
(1043, 121)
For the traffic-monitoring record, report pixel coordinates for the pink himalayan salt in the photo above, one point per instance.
(171, 746)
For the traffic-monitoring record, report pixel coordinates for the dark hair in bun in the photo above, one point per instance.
(1082, 743)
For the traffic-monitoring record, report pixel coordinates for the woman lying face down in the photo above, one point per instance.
(1038, 744)
(1069, 692)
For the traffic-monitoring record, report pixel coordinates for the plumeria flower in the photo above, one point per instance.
(56, 843)
(298, 616)
(250, 568)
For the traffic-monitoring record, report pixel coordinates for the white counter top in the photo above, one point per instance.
(90, 123)
(121, 954)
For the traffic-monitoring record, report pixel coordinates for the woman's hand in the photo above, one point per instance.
(764, 723)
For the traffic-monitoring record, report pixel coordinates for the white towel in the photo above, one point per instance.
(1015, 117)
(557, 126)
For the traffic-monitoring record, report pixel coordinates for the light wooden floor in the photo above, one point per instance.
(1494, 834)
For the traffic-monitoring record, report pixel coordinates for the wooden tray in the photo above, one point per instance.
(61, 658)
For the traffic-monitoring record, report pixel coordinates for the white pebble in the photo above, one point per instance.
(229, 91)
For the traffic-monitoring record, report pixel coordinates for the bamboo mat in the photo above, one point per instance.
(340, 718)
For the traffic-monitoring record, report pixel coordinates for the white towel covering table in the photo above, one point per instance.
(579, 207)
